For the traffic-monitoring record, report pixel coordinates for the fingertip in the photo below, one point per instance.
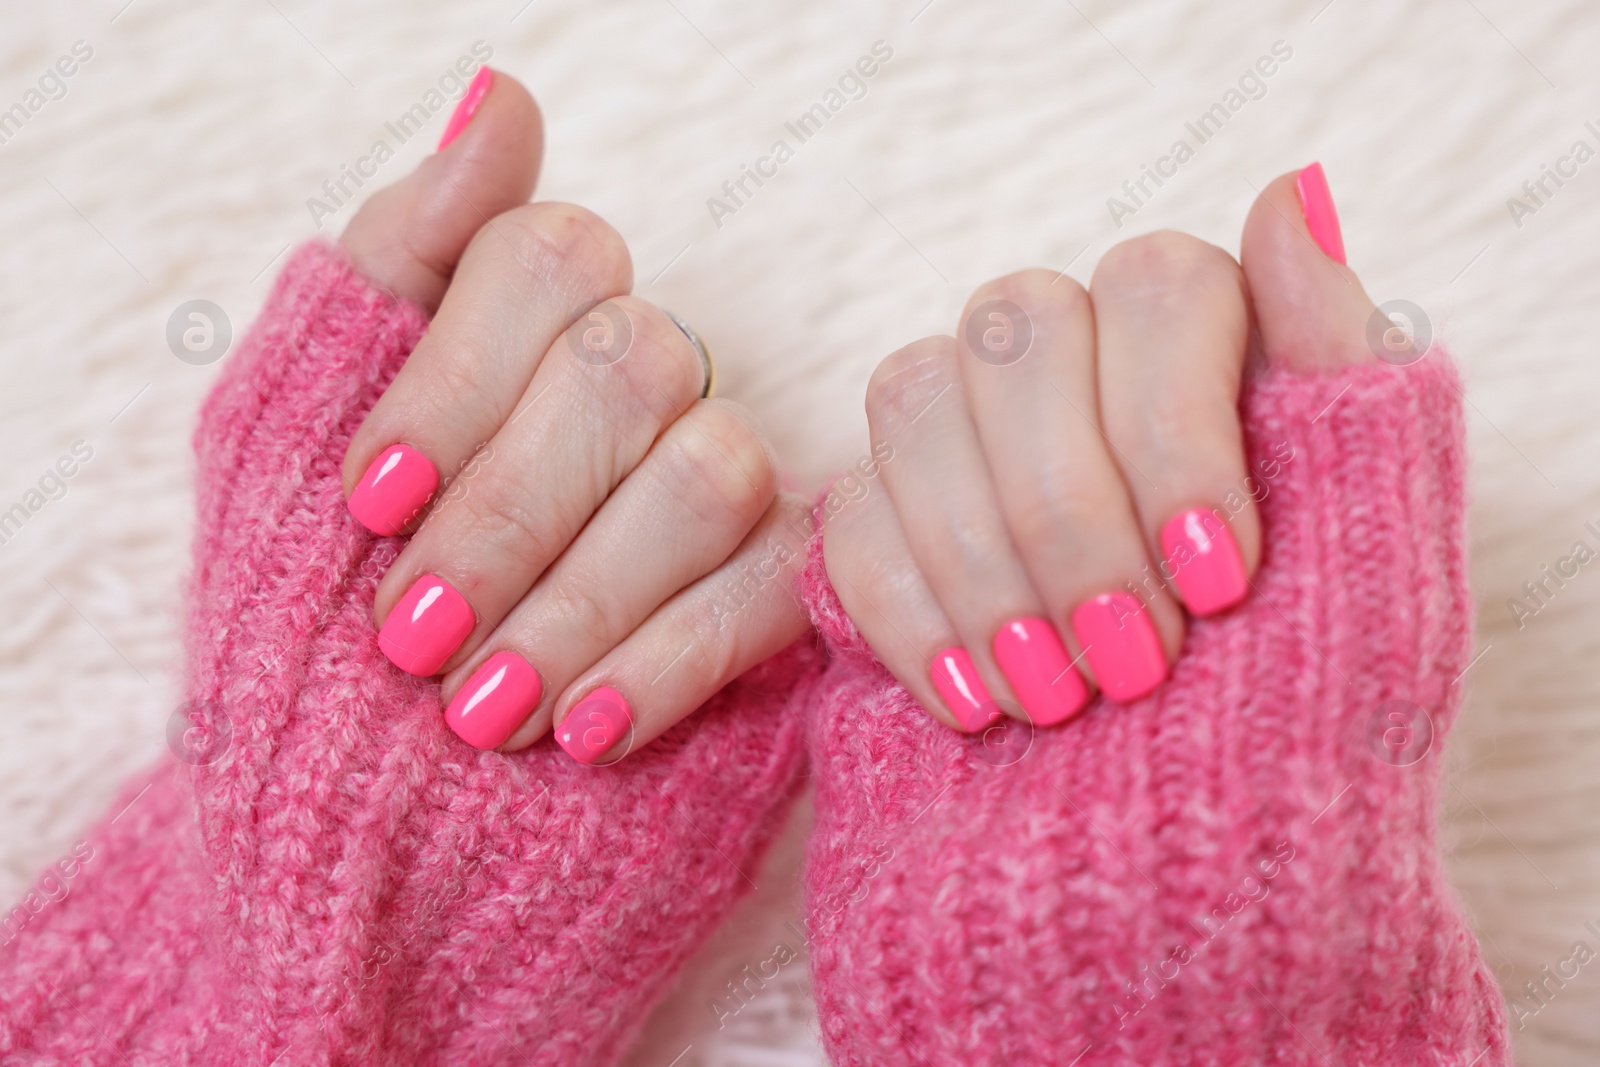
(1310, 308)
(594, 728)
(500, 131)
(495, 701)
(479, 87)
(1206, 563)
(393, 491)
(1318, 211)
(409, 236)
(1040, 670)
(955, 677)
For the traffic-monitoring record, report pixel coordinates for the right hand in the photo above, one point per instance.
(1067, 474)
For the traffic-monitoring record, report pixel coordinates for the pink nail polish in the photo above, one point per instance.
(1036, 663)
(964, 693)
(598, 722)
(468, 106)
(1316, 204)
(1121, 644)
(426, 627)
(394, 490)
(1204, 561)
(496, 700)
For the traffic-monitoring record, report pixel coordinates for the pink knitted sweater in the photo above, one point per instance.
(1240, 869)
(341, 881)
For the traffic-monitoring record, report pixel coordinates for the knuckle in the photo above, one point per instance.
(712, 620)
(1161, 262)
(721, 466)
(1086, 491)
(498, 514)
(661, 373)
(1041, 516)
(1004, 315)
(456, 386)
(1064, 501)
(1037, 291)
(850, 569)
(1172, 427)
(557, 241)
(908, 381)
(969, 546)
(875, 587)
(838, 536)
(710, 637)
(581, 605)
(843, 535)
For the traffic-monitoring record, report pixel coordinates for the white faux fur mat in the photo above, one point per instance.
(176, 162)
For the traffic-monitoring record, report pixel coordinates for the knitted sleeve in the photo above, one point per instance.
(1242, 867)
(327, 875)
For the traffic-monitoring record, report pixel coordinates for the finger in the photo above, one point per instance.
(879, 586)
(688, 505)
(952, 520)
(1172, 322)
(1035, 402)
(738, 616)
(409, 236)
(581, 429)
(526, 276)
(1310, 309)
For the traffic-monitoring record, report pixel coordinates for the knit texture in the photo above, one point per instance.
(331, 877)
(1240, 869)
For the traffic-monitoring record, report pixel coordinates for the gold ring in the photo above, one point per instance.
(699, 347)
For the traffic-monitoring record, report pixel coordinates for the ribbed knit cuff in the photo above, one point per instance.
(1240, 868)
(271, 435)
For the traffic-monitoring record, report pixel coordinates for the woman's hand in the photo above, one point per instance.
(595, 545)
(1066, 475)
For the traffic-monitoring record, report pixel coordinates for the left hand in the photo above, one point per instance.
(595, 547)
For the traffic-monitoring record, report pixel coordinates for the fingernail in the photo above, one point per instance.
(1036, 663)
(964, 693)
(1204, 561)
(598, 722)
(394, 489)
(468, 106)
(426, 627)
(496, 700)
(1121, 644)
(1316, 204)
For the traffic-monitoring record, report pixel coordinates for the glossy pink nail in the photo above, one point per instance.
(1033, 659)
(1316, 204)
(467, 107)
(964, 693)
(426, 627)
(496, 700)
(595, 725)
(1204, 561)
(1121, 644)
(394, 490)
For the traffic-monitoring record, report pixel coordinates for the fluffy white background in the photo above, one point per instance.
(179, 162)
